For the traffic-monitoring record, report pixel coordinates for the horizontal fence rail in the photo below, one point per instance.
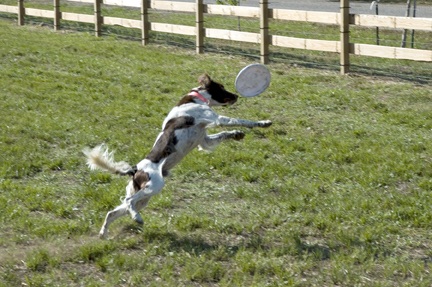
(343, 19)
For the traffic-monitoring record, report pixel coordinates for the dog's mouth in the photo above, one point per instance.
(230, 101)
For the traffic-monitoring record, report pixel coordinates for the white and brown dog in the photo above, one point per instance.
(182, 130)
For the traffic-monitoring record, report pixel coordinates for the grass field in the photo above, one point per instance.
(336, 193)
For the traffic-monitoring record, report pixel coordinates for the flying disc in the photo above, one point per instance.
(252, 80)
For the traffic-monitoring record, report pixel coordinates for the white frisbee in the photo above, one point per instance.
(252, 80)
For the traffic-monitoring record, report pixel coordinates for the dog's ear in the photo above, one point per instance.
(204, 80)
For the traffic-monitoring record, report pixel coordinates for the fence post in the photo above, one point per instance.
(97, 17)
(144, 22)
(21, 12)
(199, 26)
(344, 37)
(57, 15)
(264, 31)
(404, 33)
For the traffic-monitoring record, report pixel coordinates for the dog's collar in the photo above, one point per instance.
(196, 94)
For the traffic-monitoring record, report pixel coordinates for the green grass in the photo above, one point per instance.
(336, 192)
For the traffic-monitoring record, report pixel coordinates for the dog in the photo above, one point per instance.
(184, 129)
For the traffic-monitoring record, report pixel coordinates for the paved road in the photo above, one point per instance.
(333, 6)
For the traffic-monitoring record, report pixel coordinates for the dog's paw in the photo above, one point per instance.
(238, 135)
(264, 124)
(138, 219)
(103, 233)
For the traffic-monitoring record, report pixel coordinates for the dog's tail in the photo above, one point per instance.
(100, 158)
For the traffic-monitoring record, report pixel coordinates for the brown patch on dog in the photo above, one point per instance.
(165, 145)
(140, 179)
(186, 100)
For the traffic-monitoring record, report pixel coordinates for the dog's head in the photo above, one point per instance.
(217, 95)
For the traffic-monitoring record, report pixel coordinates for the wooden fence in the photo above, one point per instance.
(343, 19)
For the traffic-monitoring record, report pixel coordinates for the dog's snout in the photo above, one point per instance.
(231, 101)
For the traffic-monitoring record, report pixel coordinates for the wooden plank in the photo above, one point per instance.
(9, 9)
(152, 4)
(39, 13)
(323, 45)
(306, 44)
(392, 52)
(128, 23)
(373, 21)
(172, 6)
(123, 3)
(288, 42)
(374, 51)
(233, 35)
(229, 10)
(305, 16)
(84, 18)
(393, 22)
(414, 23)
(414, 54)
(83, 1)
(174, 29)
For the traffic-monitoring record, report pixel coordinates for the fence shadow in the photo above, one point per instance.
(306, 59)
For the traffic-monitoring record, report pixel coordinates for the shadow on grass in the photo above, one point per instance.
(295, 246)
(318, 251)
(174, 241)
(191, 244)
(198, 245)
(208, 244)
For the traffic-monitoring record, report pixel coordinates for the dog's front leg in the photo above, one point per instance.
(226, 121)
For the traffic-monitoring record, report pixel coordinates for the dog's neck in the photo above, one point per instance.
(196, 94)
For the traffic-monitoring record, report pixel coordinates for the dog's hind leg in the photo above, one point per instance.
(120, 211)
(140, 199)
(111, 216)
(134, 205)
(211, 141)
